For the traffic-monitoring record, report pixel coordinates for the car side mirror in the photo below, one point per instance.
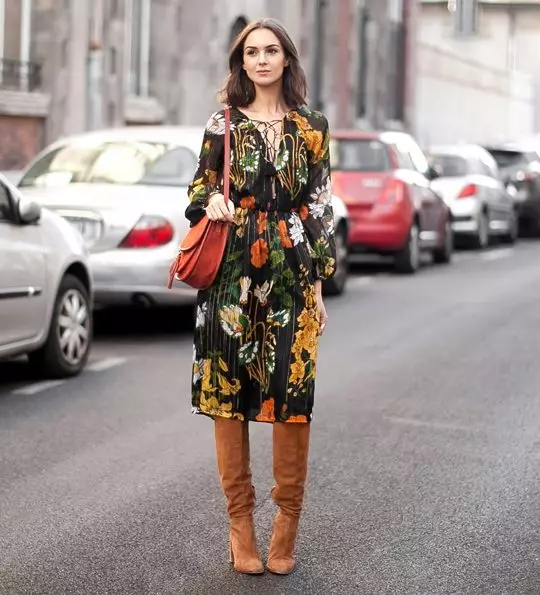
(29, 211)
(433, 172)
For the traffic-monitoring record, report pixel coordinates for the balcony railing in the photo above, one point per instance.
(19, 76)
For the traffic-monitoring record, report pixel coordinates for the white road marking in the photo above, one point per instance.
(106, 364)
(429, 424)
(37, 387)
(498, 254)
(359, 281)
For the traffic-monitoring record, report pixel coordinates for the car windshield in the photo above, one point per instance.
(449, 166)
(359, 155)
(506, 158)
(115, 162)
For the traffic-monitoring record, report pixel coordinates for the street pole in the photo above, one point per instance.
(95, 68)
(318, 55)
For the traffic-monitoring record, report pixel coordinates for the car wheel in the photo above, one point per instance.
(408, 260)
(336, 284)
(481, 240)
(68, 343)
(443, 254)
(513, 232)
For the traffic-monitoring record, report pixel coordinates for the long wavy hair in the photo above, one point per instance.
(239, 91)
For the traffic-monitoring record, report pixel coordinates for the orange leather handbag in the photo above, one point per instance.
(201, 251)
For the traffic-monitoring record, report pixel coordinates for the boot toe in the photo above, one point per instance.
(281, 565)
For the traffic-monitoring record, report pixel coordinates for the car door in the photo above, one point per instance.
(23, 275)
(501, 201)
(432, 210)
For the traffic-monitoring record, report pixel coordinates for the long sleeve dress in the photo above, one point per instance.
(256, 331)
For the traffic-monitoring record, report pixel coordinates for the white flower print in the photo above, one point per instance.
(232, 320)
(262, 293)
(245, 284)
(201, 315)
(216, 124)
(198, 370)
(323, 195)
(296, 230)
(316, 210)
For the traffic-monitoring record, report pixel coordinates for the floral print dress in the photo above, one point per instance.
(256, 330)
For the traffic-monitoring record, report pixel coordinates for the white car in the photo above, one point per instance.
(471, 185)
(126, 191)
(45, 287)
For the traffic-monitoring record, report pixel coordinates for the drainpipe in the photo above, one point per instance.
(95, 68)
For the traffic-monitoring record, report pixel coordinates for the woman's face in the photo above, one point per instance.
(264, 58)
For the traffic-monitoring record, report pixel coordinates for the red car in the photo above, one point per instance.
(385, 180)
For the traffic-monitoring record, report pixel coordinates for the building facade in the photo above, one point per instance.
(479, 70)
(74, 65)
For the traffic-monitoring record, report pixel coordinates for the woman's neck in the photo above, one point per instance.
(269, 101)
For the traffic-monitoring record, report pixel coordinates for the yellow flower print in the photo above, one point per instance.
(297, 372)
(227, 388)
(314, 141)
(212, 176)
(212, 406)
(206, 385)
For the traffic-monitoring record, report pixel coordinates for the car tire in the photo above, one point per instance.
(513, 234)
(443, 254)
(407, 260)
(336, 284)
(481, 239)
(68, 343)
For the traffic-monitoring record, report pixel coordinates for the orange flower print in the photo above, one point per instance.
(284, 234)
(248, 202)
(261, 222)
(297, 419)
(314, 140)
(304, 212)
(267, 411)
(259, 253)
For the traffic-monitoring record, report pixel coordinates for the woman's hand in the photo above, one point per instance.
(323, 316)
(218, 210)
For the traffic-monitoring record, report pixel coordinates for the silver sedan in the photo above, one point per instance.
(126, 192)
(470, 183)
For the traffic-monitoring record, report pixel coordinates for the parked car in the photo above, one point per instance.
(126, 192)
(472, 186)
(519, 164)
(45, 287)
(385, 180)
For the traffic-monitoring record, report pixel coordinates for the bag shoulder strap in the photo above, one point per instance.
(227, 156)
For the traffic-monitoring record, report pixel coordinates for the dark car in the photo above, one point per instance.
(520, 166)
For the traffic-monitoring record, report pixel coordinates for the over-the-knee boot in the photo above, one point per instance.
(232, 449)
(291, 446)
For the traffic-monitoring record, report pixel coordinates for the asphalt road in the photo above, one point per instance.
(424, 468)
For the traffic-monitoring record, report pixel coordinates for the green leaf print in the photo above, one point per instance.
(270, 358)
(248, 352)
(287, 301)
(281, 318)
(277, 257)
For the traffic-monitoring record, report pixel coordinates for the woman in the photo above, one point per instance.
(257, 326)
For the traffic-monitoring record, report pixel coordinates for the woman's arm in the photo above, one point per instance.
(207, 177)
(317, 214)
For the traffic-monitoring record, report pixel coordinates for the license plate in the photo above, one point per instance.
(88, 228)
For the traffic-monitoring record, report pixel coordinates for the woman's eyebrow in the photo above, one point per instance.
(272, 45)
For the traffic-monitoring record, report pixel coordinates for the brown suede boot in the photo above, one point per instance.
(232, 450)
(291, 446)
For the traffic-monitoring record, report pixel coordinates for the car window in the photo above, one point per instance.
(403, 157)
(5, 203)
(510, 158)
(418, 158)
(450, 166)
(359, 155)
(116, 162)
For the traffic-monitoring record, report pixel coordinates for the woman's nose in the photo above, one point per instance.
(262, 58)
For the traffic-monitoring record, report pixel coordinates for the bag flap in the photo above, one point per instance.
(195, 234)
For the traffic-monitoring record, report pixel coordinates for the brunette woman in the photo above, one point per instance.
(258, 325)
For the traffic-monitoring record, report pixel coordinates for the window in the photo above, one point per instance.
(5, 204)
(140, 47)
(116, 162)
(15, 42)
(450, 166)
(418, 158)
(465, 16)
(359, 155)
